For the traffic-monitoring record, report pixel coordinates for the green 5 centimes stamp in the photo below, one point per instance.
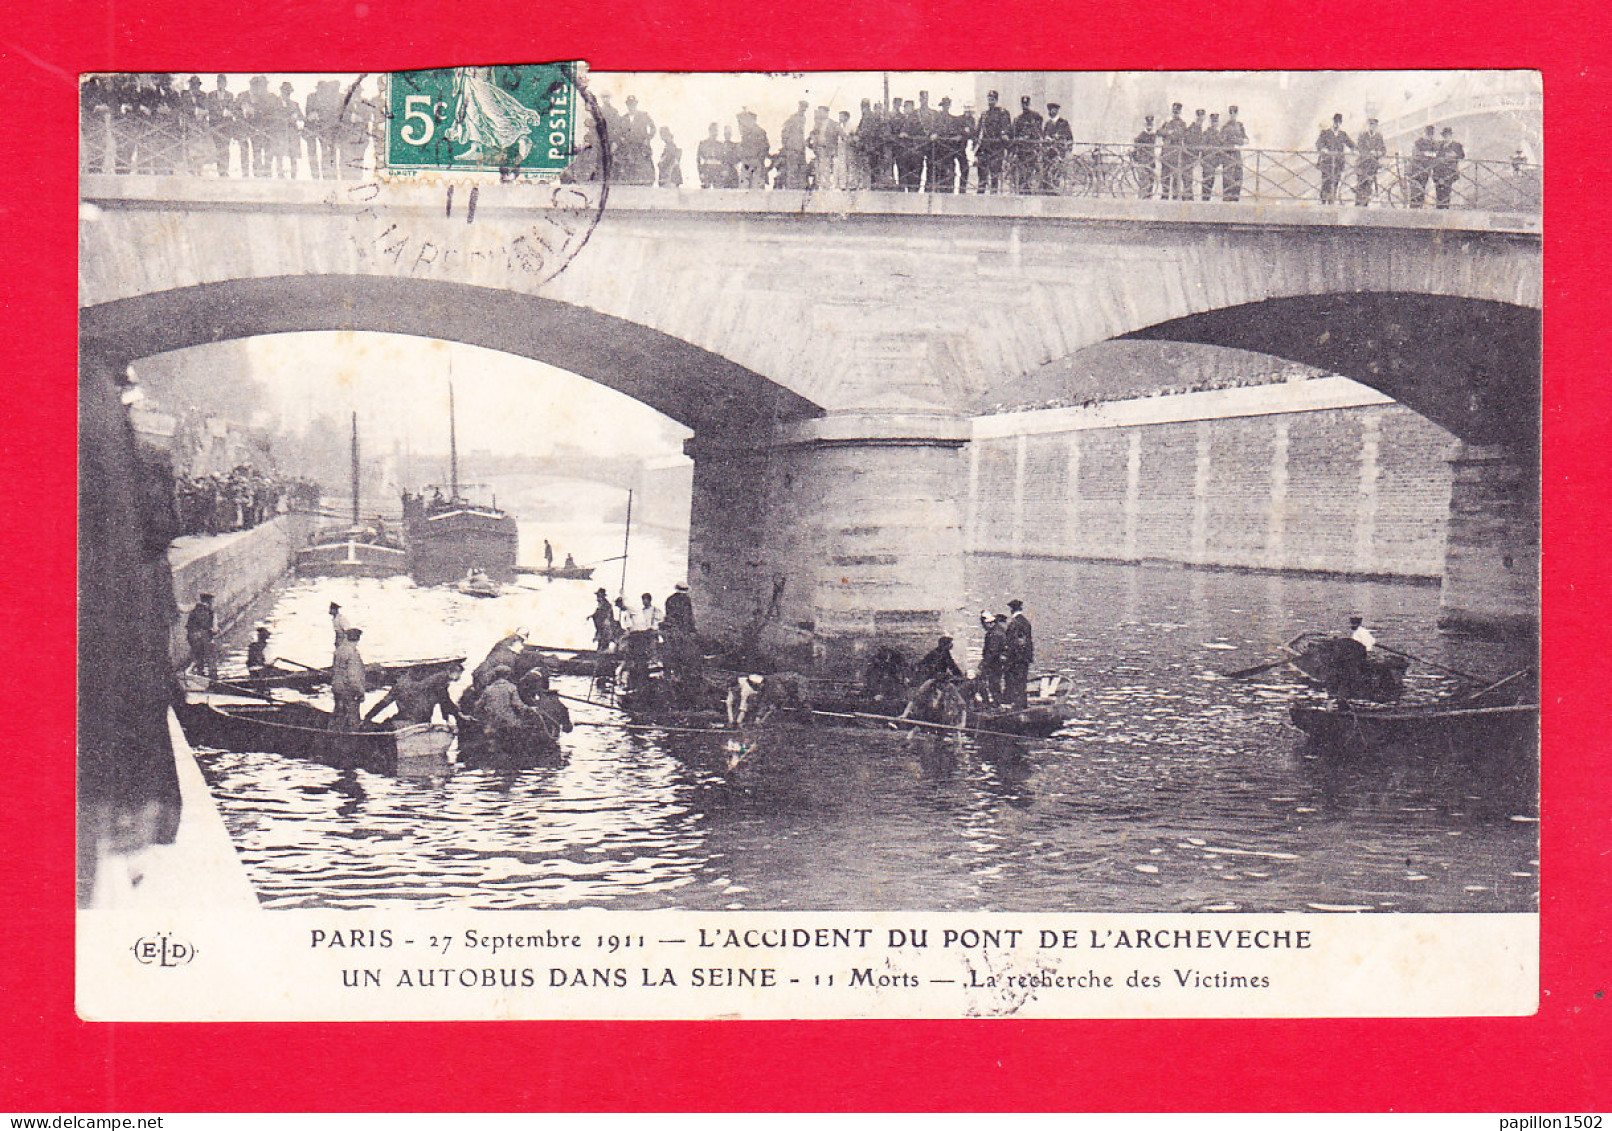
(513, 120)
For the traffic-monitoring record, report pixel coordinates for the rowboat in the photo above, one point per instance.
(562, 573)
(278, 677)
(1477, 730)
(301, 731)
(476, 583)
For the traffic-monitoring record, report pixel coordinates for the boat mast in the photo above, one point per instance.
(453, 436)
(625, 542)
(355, 468)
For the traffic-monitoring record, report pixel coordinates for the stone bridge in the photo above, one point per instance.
(828, 351)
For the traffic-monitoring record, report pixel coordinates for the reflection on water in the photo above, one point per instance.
(1171, 789)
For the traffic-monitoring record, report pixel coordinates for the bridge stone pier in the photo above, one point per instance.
(829, 351)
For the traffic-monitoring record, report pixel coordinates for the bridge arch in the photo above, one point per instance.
(715, 397)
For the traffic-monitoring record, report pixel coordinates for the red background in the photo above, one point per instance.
(51, 1061)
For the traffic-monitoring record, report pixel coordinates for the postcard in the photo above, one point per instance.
(568, 544)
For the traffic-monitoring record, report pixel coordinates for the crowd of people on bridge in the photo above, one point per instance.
(145, 123)
(218, 504)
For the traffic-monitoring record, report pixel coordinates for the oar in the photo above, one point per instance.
(300, 664)
(1257, 669)
(1452, 671)
(250, 692)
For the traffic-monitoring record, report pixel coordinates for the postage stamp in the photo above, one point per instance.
(565, 544)
(517, 121)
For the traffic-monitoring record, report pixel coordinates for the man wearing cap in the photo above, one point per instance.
(1144, 156)
(991, 140)
(1192, 139)
(637, 136)
(993, 655)
(950, 173)
(1370, 149)
(825, 142)
(1446, 166)
(1173, 154)
(792, 146)
(1213, 145)
(503, 715)
(348, 682)
(1027, 149)
(338, 623)
(199, 628)
(257, 652)
(938, 663)
(1018, 655)
(1060, 144)
(1421, 166)
(1229, 155)
(1330, 150)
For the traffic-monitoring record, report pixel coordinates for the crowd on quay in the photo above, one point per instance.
(218, 504)
(144, 123)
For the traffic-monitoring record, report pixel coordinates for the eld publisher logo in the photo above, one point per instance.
(162, 950)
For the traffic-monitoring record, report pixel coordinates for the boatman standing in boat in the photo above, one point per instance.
(257, 652)
(338, 623)
(993, 655)
(681, 655)
(1017, 656)
(638, 649)
(548, 556)
(605, 626)
(199, 628)
(348, 682)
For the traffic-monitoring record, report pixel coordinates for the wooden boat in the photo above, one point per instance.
(476, 583)
(353, 552)
(448, 536)
(359, 550)
(301, 731)
(311, 679)
(562, 573)
(1500, 719)
(1477, 730)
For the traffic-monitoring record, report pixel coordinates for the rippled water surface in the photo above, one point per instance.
(1172, 788)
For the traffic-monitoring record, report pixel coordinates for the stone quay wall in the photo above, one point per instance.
(1319, 475)
(235, 568)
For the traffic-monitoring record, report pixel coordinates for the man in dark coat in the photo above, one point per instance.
(1144, 155)
(1192, 153)
(1018, 655)
(1446, 166)
(1173, 154)
(199, 628)
(938, 663)
(993, 656)
(1330, 150)
(792, 147)
(1423, 154)
(992, 136)
(1026, 149)
(1059, 146)
(1233, 137)
(1370, 148)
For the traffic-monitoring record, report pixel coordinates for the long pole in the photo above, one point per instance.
(355, 469)
(625, 542)
(453, 438)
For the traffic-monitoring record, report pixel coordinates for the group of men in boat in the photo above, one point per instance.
(634, 637)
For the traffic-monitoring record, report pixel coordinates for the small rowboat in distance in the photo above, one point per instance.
(562, 573)
(476, 583)
(298, 730)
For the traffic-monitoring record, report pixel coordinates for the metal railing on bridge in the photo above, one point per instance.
(170, 142)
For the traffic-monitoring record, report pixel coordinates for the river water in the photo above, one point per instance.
(1172, 788)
